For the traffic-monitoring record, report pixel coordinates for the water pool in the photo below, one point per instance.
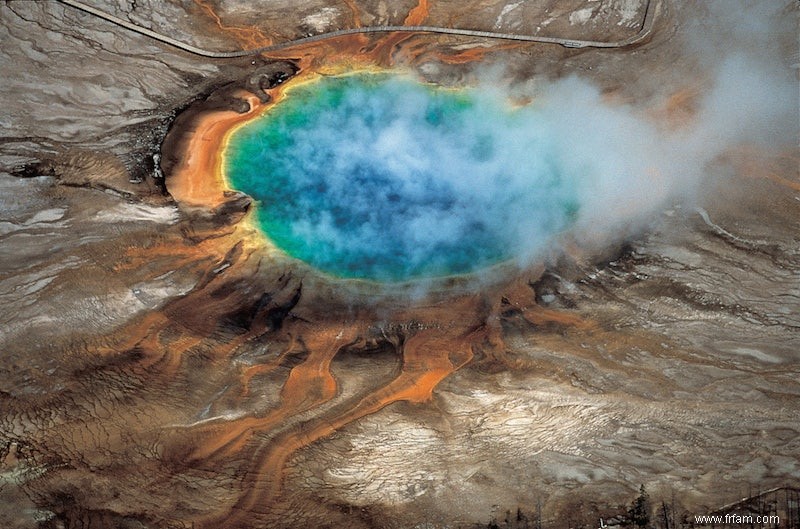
(381, 177)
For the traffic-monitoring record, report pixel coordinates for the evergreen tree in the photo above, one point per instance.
(639, 513)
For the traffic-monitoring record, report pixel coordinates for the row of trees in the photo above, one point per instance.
(643, 513)
(638, 515)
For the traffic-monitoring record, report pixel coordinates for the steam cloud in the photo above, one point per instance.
(632, 165)
(397, 182)
(384, 178)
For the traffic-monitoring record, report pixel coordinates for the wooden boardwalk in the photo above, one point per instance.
(645, 30)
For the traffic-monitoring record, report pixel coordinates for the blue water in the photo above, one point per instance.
(380, 177)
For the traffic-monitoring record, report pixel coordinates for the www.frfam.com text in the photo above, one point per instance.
(761, 519)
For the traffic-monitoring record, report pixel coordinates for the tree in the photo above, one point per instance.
(663, 515)
(639, 513)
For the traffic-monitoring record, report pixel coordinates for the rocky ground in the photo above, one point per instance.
(161, 366)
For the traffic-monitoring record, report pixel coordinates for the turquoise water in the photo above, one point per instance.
(380, 177)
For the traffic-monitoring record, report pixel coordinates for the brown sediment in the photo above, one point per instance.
(448, 334)
(353, 51)
(518, 296)
(428, 357)
(144, 334)
(417, 15)
(474, 54)
(248, 36)
(198, 179)
(191, 319)
(348, 52)
(679, 109)
(386, 47)
(307, 386)
(421, 52)
(351, 5)
(758, 162)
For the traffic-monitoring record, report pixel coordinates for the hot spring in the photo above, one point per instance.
(384, 178)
